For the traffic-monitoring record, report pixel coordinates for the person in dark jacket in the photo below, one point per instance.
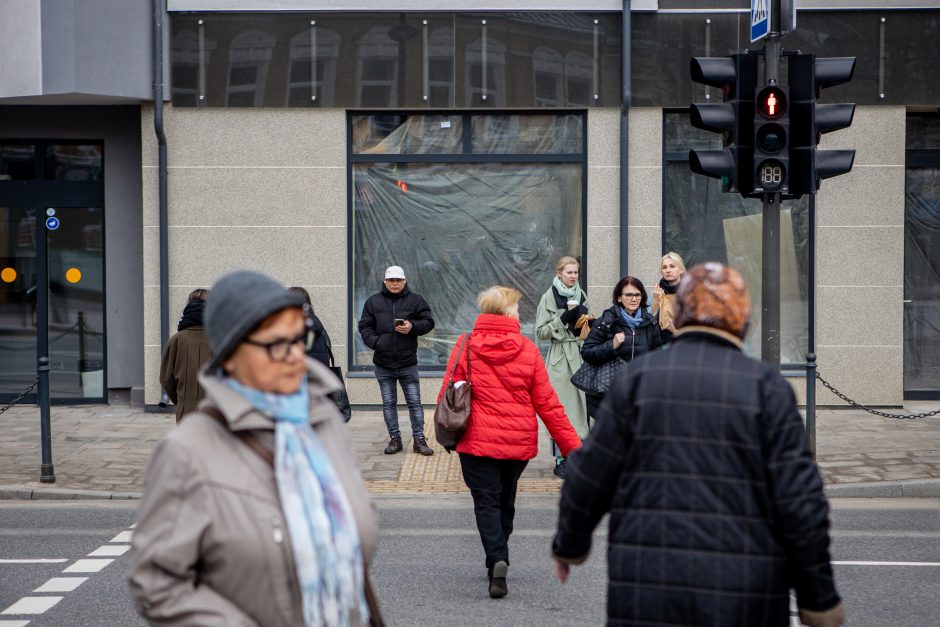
(321, 348)
(624, 331)
(390, 324)
(184, 355)
(716, 506)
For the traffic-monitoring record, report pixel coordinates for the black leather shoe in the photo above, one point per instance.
(421, 447)
(394, 445)
(561, 469)
(498, 587)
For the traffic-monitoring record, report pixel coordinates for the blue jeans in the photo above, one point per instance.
(408, 378)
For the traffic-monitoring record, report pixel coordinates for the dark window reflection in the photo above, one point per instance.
(73, 163)
(17, 163)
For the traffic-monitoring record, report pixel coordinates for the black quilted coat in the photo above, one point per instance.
(716, 507)
(599, 346)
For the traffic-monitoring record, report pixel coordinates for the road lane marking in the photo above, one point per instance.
(110, 550)
(33, 561)
(861, 563)
(61, 584)
(13, 623)
(124, 536)
(87, 566)
(32, 605)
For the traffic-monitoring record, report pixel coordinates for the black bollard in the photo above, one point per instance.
(811, 402)
(47, 472)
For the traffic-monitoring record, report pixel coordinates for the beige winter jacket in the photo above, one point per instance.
(211, 545)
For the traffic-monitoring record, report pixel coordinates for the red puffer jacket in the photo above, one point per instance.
(510, 384)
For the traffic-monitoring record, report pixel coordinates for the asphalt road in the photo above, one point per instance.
(430, 567)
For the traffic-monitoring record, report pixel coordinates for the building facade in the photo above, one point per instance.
(473, 144)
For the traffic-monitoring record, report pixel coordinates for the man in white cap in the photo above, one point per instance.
(390, 324)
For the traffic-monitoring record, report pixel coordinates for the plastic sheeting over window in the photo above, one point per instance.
(457, 228)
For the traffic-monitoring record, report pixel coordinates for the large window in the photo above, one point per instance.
(702, 223)
(922, 258)
(462, 202)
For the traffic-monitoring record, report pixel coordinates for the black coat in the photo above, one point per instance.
(322, 347)
(599, 348)
(377, 327)
(716, 506)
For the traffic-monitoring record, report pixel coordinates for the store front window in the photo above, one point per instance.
(463, 202)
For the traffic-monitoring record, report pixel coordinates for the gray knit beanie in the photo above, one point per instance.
(237, 303)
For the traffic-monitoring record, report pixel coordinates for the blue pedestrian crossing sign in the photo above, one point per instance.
(760, 19)
(52, 223)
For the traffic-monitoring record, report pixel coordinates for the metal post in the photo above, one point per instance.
(625, 104)
(811, 401)
(46, 472)
(81, 346)
(770, 256)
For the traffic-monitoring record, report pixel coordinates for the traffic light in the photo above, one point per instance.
(808, 76)
(736, 76)
(771, 160)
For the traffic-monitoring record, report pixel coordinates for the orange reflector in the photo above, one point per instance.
(73, 275)
(8, 275)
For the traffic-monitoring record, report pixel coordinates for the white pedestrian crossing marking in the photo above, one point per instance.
(13, 623)
(124, 536)
(32, 605)
(87, 566)
(860, 563)
(110, 550)
(61, 584)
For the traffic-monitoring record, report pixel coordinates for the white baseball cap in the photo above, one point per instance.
(394, 272)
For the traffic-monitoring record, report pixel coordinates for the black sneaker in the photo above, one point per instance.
(498, 587)
(560, 469)
(421, 447)
(394, 445)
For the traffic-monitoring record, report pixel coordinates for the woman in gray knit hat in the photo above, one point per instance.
(254, 512)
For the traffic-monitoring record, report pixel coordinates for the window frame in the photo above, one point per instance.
(465, 156)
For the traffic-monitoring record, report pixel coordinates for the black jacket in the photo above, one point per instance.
(377, 327)
(599, 348)
(321, 349)
(716, 506)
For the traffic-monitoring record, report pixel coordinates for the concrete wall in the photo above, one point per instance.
(119, 129)
(267, 189)
(20, 49)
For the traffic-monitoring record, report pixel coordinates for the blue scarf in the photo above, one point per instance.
(634, 320)
(323, 531)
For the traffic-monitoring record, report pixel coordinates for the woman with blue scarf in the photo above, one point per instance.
(624, 331)
(254, 512)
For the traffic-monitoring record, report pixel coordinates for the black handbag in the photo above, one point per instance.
(596, 380)
(453, 411)
(340, 397)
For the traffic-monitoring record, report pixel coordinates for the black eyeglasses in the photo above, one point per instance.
(632, 295)
(278, 350)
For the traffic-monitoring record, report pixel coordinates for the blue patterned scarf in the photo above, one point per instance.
(634, 320)
(323, 531)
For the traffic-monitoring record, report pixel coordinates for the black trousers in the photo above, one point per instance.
(492, 484)
(593, 404)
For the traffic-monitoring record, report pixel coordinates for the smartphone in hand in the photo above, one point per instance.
(399, 322)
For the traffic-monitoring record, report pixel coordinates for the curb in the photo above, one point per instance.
(907, 488)
(26, 493)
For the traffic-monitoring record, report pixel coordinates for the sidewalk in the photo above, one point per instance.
(101, 451)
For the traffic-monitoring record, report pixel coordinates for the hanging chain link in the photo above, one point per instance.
(20, 397)
(848, 400)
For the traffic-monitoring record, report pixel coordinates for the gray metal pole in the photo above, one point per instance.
(625, 104)
(46, 472)
(163, 211)
(811, 401)
(770, 256)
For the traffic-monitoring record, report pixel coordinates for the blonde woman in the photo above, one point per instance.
(671, 267)
(510, 389)
(558, 312)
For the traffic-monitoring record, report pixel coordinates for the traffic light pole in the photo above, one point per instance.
(770, 256)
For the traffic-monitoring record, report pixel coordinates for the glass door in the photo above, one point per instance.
(18, 287)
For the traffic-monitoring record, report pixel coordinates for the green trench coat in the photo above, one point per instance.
(564, 359)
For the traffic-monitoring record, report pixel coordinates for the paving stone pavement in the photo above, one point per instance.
(105, 449)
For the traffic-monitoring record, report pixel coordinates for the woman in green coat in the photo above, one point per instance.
(559, 311)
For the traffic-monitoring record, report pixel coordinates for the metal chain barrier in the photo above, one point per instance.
(20, 397)
(848, 400)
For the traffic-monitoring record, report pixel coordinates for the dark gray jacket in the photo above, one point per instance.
(716, 506)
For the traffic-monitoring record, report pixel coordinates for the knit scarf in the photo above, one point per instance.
(323, 531)
(571, 293)
(667, 288)
(634, 320)
(192, 315)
